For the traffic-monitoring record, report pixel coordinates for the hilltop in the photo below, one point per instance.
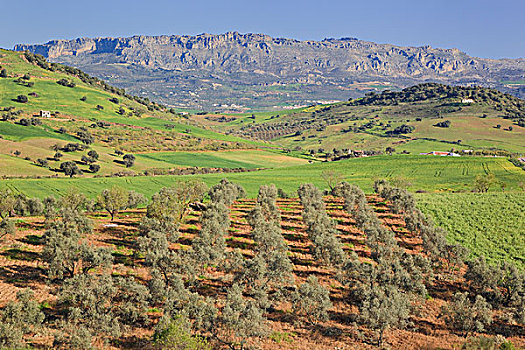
(422, 118)
(234, 71)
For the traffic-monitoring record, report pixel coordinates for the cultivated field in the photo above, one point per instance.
(426, 173)
(489, 224)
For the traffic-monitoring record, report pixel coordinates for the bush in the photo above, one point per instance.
(42, 162)
(403, 129)
(176, 334)
(67, 83)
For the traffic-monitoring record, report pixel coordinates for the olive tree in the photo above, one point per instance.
(209, 245)
(65, 250)
(117, 198)
(19, 318)
(7, 227)
(70, 169)
(226, 192)
(8, 202)
(241, 319)
(465, 316)
(384, 308)
(312, 300)
(173, 202)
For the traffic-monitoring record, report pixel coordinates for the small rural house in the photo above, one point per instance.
(45, 114)
(438, 153)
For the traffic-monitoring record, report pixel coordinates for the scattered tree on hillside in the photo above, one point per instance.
(70, 169)
(389, 150)
(42, 162)
(22, 99)
(483, 182)
(444, 124)
(129, 160)
(7, 227)
(8, 202)
(94, 168)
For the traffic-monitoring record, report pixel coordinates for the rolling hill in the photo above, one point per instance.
(88, 114)
(422, 118)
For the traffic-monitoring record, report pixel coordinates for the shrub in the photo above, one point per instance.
(176, 334)
(42, 162)
(94, 168)
(67, 83)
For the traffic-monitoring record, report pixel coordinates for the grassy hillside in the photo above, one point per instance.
(82, 105)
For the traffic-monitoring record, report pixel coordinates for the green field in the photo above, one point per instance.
(490, 224)
(249, 159)
(427, 173)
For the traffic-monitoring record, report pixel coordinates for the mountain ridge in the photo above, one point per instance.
(250, 64)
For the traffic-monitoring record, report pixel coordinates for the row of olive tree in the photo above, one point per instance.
(467, 312)
(384, 288)
(319, 227)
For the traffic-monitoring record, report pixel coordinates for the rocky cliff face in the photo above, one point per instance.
(204, 65)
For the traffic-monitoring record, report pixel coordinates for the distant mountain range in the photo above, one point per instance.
(235, 71)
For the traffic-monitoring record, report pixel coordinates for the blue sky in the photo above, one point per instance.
(481, 28)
